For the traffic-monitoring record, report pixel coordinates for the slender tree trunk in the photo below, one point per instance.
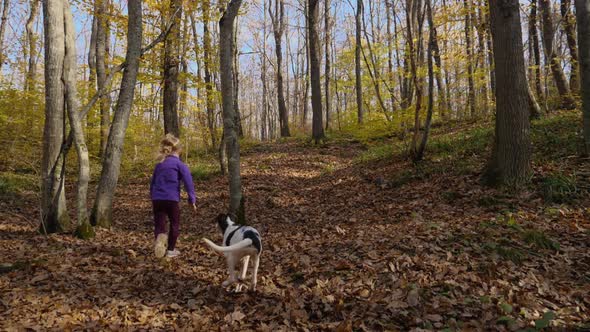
(171, 67)
(237, 84)
(111, 164)
(226, 47)
(265, 132)
(3, 23)
(31, 74)
(102, 41)
(567, 101)
(482, 56)
(357, 62)
(83, 230)
(569, 27)
(490, 51)
(583, 16)
(469, 52)
(307, 68)
(54, 217)
(315, 60)
(210, 101)
(278, 23)
(534, 40)
(327, 70)
(511, 153)
(390, 74)
(414, 33)
(442, 102)
(419, 154)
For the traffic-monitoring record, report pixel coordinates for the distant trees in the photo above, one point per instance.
(511, 151)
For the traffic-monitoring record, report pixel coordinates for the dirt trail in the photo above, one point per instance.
(343, 248)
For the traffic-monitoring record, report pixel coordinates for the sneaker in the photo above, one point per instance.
(172, 253)
(160, 245)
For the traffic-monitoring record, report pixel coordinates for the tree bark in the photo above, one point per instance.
(315, 60)
(534, 40)
(171, 69)
(569, 27)
(206, 7)
(54, 217)
(327, 70)
(442, 103)
(83, 230)
(567, 101)
(583, 16)
(357, 62)
(511, 152)
(278, 24)
(32, 45)
(3, 23)
(111, 163)
(469, 54)
(226, 48)
(419, 154)
(102, 41)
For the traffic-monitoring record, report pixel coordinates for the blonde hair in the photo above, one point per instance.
(169, 145)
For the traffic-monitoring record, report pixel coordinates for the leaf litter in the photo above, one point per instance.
(341, 253)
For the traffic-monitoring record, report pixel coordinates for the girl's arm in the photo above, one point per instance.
(187, 179)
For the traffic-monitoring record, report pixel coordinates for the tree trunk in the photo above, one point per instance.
(83, 230)
(414, 37)
(171, 68)
(278, 24)
(567, 101)
(569, 27)
(482, 55)
(511, 153)
(315, 60)
(206, 7)
(490, 51)
(419, 155)
(327, 70)
(111, 163)
(534, 40)
(583, 15)
(226, 48)
(442, 103)
(102, 41)
(357, 62)
(32, 52)
(469, 52)
(3, 23)
(54, 217)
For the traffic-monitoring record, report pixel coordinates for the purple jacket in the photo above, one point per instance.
(166, 180)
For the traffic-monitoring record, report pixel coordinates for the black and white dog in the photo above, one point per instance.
(239, 242)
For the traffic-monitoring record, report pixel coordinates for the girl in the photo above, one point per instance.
(165, 194)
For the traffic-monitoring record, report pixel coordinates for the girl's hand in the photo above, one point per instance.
(195, 207)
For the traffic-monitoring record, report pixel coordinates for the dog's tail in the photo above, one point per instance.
(234, 247)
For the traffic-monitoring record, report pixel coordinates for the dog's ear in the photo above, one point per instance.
(222, 221)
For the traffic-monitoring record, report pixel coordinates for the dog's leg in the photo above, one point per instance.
(244, 268)
(255, 271)
(231, 269)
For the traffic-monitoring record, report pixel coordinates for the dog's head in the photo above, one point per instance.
(224, 221)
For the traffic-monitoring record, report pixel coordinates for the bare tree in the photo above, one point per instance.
(111, 164)
(232, 144)
(469, 55)
(31, 73)
(3, 22)
(567, 101)
(315, 60)
(569, 27)
(327, 70)
(171, 68)
(357, 61)
(53, 202)
(511, 152)
(534, 41)
(583, 16)
(278, 23)
(101, 56)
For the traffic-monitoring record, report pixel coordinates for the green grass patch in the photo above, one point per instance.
(377, 153)
(560, 188)
(204, 170)
(12, 184)
(540, 240)
(557, 137)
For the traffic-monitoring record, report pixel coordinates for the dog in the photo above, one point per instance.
(239, 243)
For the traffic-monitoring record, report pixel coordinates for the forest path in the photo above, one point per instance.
(345, 245)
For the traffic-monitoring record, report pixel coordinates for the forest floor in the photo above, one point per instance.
(354, 237)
